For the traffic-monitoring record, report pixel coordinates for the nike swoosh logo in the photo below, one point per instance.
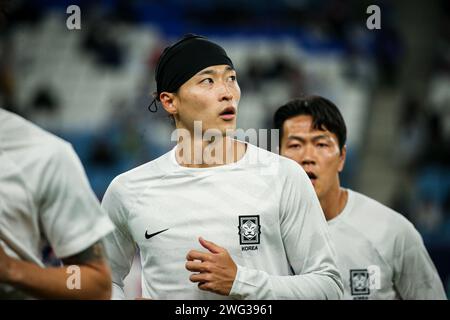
(148, 236)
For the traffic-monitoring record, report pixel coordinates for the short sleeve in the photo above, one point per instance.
(69, 211)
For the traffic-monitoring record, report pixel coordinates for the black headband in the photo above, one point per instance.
(182, 60)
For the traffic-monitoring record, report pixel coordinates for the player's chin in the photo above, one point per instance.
(225, 126)
(316, 186)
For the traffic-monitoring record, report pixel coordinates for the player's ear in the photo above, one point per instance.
(342, 158)
(167, 101)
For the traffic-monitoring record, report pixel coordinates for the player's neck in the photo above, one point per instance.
(197, 153)
(334, 202)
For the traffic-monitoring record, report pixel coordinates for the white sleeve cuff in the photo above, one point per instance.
(251, 284)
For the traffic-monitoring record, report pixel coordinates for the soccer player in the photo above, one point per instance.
(45, 199)
(209, 228)
(380, 254)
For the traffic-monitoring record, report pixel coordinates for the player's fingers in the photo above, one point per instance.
(205, 286)
(196, 266)
(197, 255)
(200, 277)
(211, 246)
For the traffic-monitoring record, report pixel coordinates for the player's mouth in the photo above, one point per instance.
(312, 176)
(229, 113)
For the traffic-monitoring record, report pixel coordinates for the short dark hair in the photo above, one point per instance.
(325, 115)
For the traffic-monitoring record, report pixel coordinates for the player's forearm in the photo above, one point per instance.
(256, 284)
(94, 281)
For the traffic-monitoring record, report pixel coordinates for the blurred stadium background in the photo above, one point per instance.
(92, 86)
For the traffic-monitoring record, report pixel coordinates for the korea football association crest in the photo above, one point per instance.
(249, 232)
(365, 282)
(359, 282)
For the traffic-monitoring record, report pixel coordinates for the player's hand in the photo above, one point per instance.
(5, 266)
(215, 270)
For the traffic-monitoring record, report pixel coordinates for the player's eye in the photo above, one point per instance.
(207, 81)
(294, 146)
(232, 78)
(322, 145)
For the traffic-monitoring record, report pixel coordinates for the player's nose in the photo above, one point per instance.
(308, 155)
(225, 93)
(307, 162)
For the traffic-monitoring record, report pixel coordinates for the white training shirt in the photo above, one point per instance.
(262, 209)
(380, 253)
(45, 197)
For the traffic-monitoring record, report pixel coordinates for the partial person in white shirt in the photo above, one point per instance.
(222, 225)
(380, 254)
(46, 200)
